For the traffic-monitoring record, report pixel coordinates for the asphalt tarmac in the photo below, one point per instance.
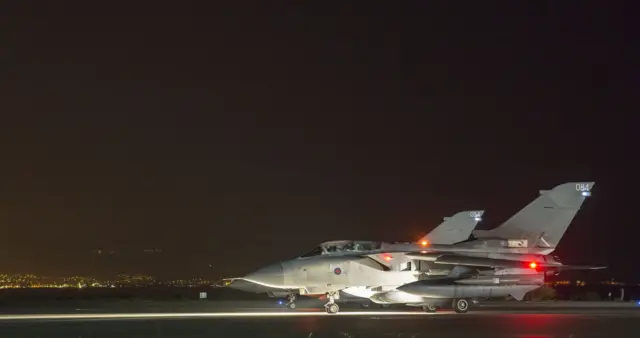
(260, 319)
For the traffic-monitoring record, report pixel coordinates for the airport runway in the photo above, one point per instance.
(568, 319)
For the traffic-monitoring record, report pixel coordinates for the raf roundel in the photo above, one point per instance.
(337, 271)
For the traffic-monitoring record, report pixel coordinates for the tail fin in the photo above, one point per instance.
(544, 221)
(454, 229)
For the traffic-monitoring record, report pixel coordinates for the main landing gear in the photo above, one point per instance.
(291, 301)
(460, 305)
(331, 307)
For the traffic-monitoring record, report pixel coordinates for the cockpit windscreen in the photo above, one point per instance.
(315, 252)
(343, 247)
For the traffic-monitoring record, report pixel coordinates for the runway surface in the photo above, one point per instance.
(259, 319)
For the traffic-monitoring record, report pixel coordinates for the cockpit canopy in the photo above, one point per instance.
(332, 247)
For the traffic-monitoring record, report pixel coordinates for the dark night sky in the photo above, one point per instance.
(242, 136)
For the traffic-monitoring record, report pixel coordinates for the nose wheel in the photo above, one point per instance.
(331, 307)
(291, 302)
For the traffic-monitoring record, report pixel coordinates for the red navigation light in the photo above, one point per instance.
(387, 258)
(533, 265)
(424, 243)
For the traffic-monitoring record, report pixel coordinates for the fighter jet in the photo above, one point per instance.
(430, 275)
(269, 280)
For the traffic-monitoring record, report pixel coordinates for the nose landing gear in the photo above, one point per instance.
(331, 307)
(291, 301)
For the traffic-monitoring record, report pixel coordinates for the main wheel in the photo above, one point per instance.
(291, 305)
(460, 305)
(364, 305)
(430, 308)
(333, 308)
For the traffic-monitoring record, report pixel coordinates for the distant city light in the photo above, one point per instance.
(18, 281)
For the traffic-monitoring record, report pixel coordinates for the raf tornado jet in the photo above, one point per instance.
(512, 259)
(338, 256)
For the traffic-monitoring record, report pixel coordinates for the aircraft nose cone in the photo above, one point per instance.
(272, 275)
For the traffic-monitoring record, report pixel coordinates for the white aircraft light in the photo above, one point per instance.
(586, 193)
